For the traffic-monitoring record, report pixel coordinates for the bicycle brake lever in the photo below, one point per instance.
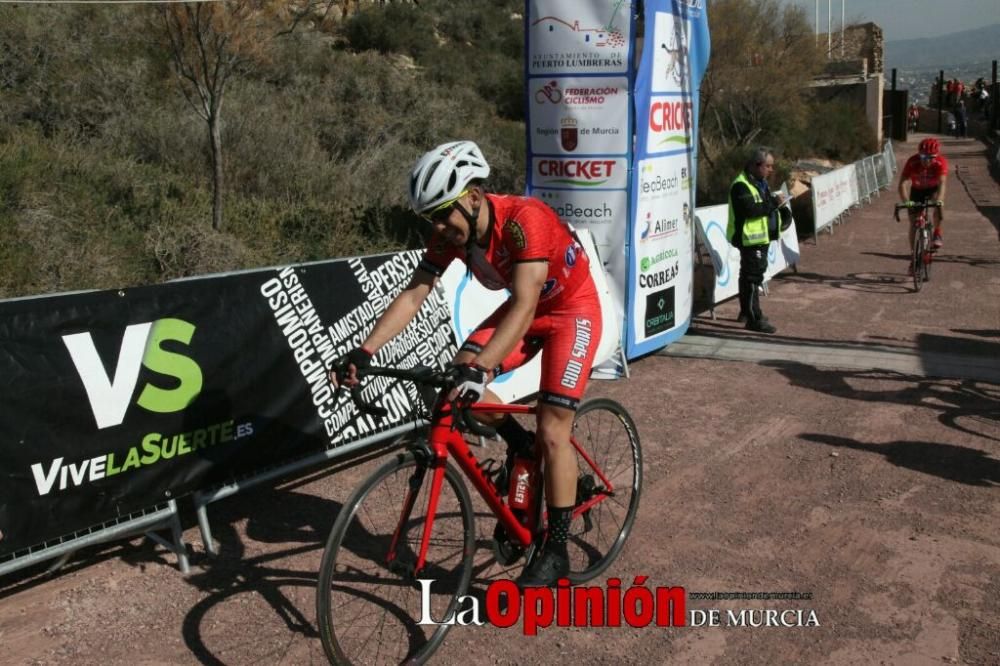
(365, 407)
(467, 422)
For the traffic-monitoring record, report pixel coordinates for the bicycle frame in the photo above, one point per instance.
(444, 441)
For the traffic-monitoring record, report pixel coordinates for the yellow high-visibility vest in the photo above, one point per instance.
(754, 228)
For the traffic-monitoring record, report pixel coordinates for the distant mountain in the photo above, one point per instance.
(958, 48)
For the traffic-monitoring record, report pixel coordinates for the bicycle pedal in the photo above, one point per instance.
(402, 569)
(505, 552)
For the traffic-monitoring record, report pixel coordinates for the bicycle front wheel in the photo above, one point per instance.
(917, 261)
(369, 599)
(608, 436)
(927, 258)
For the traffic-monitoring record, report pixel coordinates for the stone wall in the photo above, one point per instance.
(862, 41)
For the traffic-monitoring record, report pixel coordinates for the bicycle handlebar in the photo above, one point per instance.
(423, 377)
(918, 205)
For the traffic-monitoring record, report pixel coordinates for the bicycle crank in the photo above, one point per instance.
(586, 488)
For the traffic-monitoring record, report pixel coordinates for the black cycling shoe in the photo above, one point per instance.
(761, 326)
(545, 570)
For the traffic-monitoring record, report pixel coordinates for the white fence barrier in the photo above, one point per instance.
(836, 192)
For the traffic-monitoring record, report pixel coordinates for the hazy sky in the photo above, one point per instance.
(906, 19)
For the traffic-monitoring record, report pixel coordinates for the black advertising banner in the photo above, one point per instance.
(113, 401)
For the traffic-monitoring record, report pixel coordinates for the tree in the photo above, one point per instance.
(763, 57)
(208, 43)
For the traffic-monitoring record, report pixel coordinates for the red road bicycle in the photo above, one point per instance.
(923, 252)
(413, 520)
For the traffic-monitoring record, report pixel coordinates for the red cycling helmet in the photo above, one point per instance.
(929, 147)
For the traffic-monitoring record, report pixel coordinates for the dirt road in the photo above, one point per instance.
(872, 491)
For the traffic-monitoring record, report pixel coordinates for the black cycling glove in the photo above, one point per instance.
(360, 358)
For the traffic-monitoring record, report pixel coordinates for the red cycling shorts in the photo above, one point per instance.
(569, 334)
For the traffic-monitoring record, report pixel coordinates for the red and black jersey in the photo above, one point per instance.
(925, 176)
(521, 229)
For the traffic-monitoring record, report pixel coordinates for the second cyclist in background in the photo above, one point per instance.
(519, 244)
(923, 178)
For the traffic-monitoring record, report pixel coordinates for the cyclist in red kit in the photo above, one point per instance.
(927, 175)
(519, 244)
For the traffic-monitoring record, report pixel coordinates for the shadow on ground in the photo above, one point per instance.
(870, 282)
(955, 463)
(968, 406)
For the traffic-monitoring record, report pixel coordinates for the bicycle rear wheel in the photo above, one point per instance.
(607, 434)
(368, 604)
(917, 260)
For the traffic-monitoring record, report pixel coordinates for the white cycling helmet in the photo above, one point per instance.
(443, 173)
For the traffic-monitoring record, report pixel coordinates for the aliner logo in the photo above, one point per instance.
(589, 173)
(141, 346)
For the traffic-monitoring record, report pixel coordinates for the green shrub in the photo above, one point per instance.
(394, 28)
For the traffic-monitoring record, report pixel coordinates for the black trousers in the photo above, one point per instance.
(753, 264)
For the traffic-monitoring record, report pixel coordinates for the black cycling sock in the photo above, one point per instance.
(559, 522)
(514, 433)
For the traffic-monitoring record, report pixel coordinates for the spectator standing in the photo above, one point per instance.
(754, 221)
(961, 119)
(913, 117)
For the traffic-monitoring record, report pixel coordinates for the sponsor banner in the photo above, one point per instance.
(578, 89)
(711, 225)
(117, 400)
(669, 120)
(591, 173)
(661, 236)
(579, 115)
(601, 213)
(663, 241)
(578, 36)
(471, 303)
(832, 195)
(783, 252)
